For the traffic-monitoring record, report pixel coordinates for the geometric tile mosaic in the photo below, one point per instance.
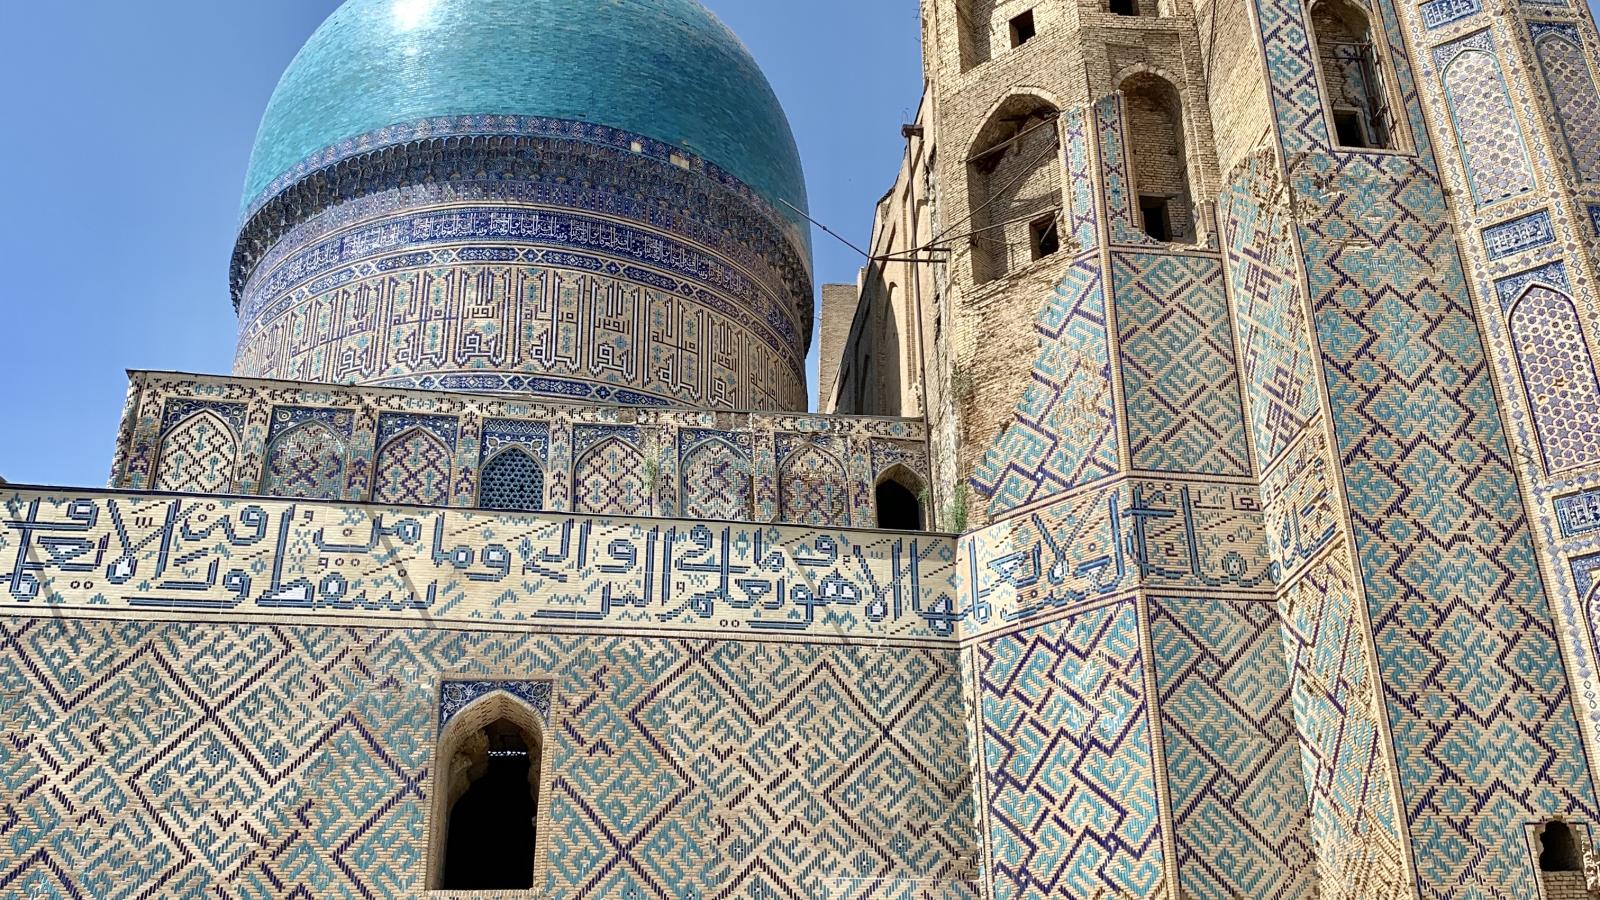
(1178, 372)
(305, 461)
(1559, 49)
(716, 480)
(188, 760)
(480, 428)
(1277, 365)
(1418, 428)
(198, 455)
(1558, 377)
(1064, 433)
(1066, 756)
(1232, 760)
(809, 481)
(612, 479)
(1486, 127)
(413, 469)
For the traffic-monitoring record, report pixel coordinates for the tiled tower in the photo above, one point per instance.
(1262, 346)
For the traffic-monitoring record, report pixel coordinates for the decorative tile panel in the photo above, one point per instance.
(198, 455)
(610, 478)
(413, 468)
(1520, 234)
(1559, 380)
(1490, 137)
(455, 696)
(1559, 49)
(1179, 379)
(1439, 13)
(809, 480)
(306, 461)
(1578, 513)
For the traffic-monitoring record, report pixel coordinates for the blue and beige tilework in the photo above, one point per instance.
(1423, 474)
(182, 759)
(432, 448)
(1535, 315)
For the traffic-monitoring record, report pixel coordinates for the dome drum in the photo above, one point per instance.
(528, 196)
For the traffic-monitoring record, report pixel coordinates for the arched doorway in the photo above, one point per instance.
(487, 797)
(898, 502)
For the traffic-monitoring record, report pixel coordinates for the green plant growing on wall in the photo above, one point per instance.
(955, 514)
(652, 477)
(962, 385)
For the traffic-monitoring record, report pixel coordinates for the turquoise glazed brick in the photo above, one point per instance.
(666, 69)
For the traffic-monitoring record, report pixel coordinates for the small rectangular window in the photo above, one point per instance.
(1125, 7)
(1022, 29)
(1347, 128)
(1157, 222)
(1044, 236)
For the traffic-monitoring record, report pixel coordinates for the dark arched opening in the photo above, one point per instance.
(1351, 68)
(1558, 849)
(489, 838)
(1014, 188)
(899, 507)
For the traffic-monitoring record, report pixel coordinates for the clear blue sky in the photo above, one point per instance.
(127, 130)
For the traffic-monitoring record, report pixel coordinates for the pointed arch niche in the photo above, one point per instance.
(1559, 379)
(1157, 145)
(1014, 187)
(897, 499)
(490, 788)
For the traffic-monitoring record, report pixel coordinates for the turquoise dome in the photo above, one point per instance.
(663, 69)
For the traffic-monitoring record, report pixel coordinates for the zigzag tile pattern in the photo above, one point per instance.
(1064, 434)
(184, 760)
(1066, 744)
(1240, 814)
(1178, 373)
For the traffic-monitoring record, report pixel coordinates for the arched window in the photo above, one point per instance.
(513, 481)
(1558, 849)
(487, 797)
(1160, 164)
(898, 503)
(1351, 68)
(1014, 188)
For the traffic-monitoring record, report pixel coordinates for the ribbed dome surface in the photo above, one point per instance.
(665, 69)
